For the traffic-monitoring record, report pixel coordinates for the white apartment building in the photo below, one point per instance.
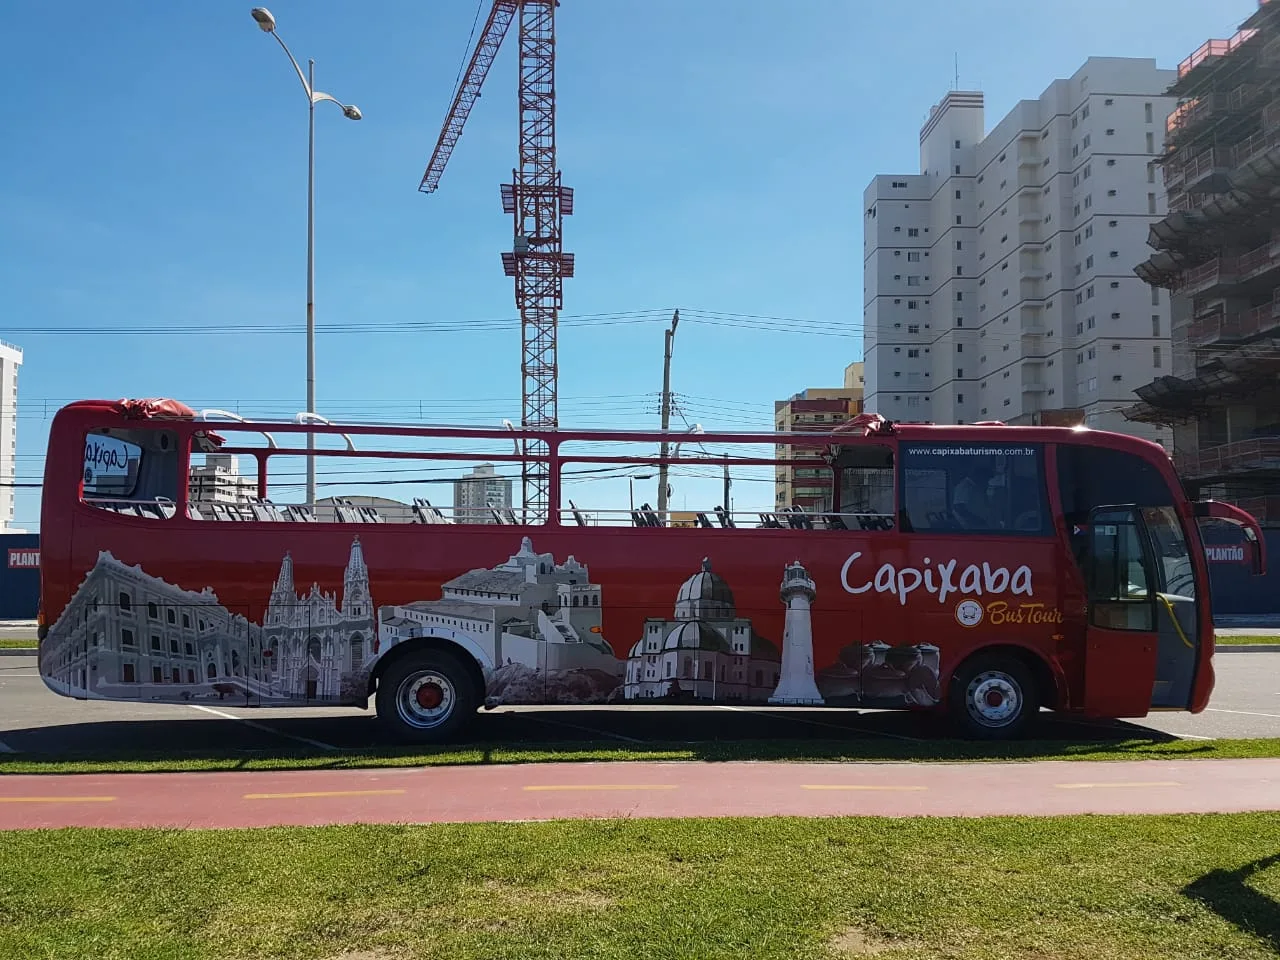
(998, 282)
(218, 480)
(10, 361)
(478, 493)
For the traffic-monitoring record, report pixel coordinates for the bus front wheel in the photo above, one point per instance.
(426, 697)
(993, 698)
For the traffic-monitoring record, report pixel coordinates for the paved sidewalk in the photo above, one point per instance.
(636, 789)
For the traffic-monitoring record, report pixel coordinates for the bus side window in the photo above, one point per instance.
(974, 488)
(866, 487)
(131, 472)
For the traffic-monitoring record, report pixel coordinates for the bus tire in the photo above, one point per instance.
(426, 697)
(993, 697)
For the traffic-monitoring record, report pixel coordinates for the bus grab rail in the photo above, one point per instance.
(211, 413)
(304, 416)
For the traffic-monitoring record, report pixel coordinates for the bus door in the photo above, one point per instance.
(1121, 638)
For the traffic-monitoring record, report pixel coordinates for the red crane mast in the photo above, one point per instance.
(538, 203)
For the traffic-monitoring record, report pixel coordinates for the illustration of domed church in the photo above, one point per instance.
(312, 643)
(706, 650)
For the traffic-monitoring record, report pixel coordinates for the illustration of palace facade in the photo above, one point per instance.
(126, 634)
(533, 624)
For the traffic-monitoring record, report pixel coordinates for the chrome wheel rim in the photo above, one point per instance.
(425, 699)
(994, 699)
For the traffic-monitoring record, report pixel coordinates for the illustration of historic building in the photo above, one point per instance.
(126, 634)
(529, 611)
(315, 642)
(706, 650)
(797, 685)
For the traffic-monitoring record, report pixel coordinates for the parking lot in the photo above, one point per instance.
(33, 720)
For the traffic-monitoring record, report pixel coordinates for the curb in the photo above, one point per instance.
(18, 651)
(1247, 648)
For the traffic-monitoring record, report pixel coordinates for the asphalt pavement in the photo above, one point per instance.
(33, 720)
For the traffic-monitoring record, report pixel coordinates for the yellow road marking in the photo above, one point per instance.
(604, 786)
(321, 793)
(1136, 783)
(56, 799)
(856, 786)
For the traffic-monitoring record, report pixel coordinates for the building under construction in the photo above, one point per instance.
(1218, 252)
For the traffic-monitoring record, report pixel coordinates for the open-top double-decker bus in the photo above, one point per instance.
(982, 570)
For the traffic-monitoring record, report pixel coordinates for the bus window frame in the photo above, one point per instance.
(1131, 515)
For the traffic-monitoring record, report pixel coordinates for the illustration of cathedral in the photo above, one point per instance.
(312, 642)
(706, 651)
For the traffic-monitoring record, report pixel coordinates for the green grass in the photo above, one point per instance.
(596, 751)
(1079, 888)
(18, 643)
(1245, 640)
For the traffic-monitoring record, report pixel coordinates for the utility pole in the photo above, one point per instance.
(726, 488)
(666, 414)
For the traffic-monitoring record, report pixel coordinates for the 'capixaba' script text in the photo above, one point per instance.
(940, 579)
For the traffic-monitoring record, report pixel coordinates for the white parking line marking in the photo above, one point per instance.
(1243, 713)
(262, 726)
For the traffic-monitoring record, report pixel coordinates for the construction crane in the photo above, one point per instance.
(538, 203)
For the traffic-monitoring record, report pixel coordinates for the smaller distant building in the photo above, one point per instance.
(10, 361)
(218, 480)
(479, 493)
(817, 408)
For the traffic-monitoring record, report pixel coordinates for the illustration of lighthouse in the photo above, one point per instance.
(796, 684)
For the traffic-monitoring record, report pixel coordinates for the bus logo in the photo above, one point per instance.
(968, 613)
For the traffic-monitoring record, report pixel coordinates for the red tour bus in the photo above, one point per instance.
(984, 570)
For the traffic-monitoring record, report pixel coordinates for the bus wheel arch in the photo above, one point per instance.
(427, 690)
(995, 691)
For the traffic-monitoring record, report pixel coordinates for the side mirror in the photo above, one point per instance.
(1249, 526)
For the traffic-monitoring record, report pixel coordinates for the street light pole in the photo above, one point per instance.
(267, 23)
(666, 414)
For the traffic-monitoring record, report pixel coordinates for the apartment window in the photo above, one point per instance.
(958, 142)
(913, 353)
(1079, 326)
(1115, 284)
(959, 295)
(899, 184)
(959, 348)
(959, 321)
(913, 304)
(1147, 108)
(1088, 170)
(1111, 131)
(913, 231)
(957, 194)
(1155, 296)
(912, 281)
(959, 398)
(957, 169)
(957, 221)
(1088, 262)
(913, 328)
(1088, 231)
(1155, 357)
(1111, 162)
(959, 271)
(913, 256)
(959, 244)
(1151, 173)
(960, 372)
(1155, 324)
(1111, 193)
(1151, 203)
(1151, 142)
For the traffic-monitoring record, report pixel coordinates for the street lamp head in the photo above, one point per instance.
(266, 22)
(351, 112)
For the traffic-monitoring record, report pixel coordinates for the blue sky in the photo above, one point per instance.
(153, 176)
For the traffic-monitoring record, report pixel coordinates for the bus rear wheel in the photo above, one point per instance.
(993, 698)
(426, 697)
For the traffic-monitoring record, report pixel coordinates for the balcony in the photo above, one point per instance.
(1230, 458)
(1193, 115)
(1218, 272)
(1254, 147)
(1205, 329)
(1212, 50)
(1252, 323)
(1206, 165)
